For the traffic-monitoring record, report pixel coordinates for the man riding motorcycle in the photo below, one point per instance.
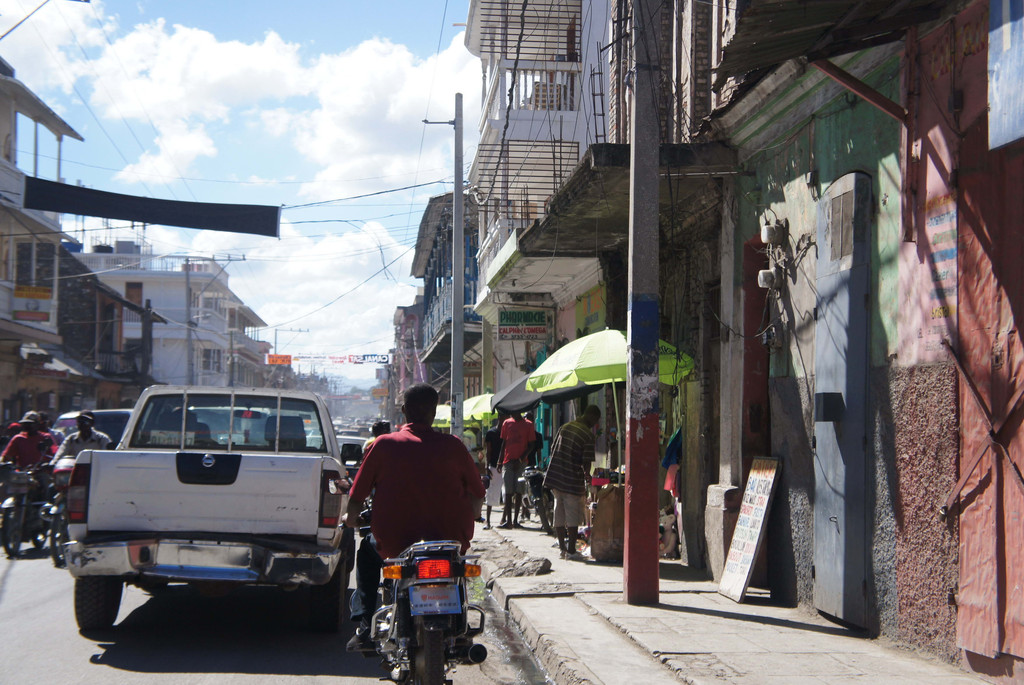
(425, 486)
(85, 438)
(30, 447)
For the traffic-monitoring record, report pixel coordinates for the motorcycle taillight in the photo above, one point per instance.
(433, 568)
(61, 479)
(78, 494)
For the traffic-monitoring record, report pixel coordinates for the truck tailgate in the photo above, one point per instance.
(270, 494)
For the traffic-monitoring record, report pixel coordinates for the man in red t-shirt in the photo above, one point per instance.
(518, 435)
(30, 447)
(425, 486)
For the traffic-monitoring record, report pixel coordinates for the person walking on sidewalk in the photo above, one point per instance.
(517, 433)
(568, 475)
(492, 481)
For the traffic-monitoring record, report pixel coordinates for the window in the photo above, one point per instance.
(212, 360)
(252, 423)
(841, 226)
(36, 264)
(133, 293)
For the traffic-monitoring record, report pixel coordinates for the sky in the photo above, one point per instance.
(310, 102)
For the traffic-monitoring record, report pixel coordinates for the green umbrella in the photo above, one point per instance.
(443, 416)
(478, 407)
(600, 358)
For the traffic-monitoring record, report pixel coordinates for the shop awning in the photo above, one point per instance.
(770, 32)
(51, 196)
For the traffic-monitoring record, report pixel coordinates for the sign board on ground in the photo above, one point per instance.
(746, 539)
(523, 324)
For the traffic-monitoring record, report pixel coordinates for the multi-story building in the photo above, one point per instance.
(29, 239)
(405, 368)
(543, 105)
(218, 348)
(432, 262)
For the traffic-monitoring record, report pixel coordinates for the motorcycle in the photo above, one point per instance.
(22, 510)
(423, 628)
(538, 498)
(56, 511)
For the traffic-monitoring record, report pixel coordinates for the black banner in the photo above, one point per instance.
(51, 196)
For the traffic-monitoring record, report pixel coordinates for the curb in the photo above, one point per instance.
(562, 664)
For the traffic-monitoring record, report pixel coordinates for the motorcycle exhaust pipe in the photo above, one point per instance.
(474, 654)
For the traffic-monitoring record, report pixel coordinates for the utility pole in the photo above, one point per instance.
(147, 341)
(190, 364)
(640, 563)
(458, 274)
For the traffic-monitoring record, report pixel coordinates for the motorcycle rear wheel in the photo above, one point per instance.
(58, 536)
(429, 659)
(13, 522)
(40, 534)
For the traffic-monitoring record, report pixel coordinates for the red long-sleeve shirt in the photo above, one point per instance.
(424, 484)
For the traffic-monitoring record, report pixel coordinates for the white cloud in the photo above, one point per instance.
(177, 147)
(351, 120)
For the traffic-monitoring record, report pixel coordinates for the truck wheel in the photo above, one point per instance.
(327, 606)
(97, 601)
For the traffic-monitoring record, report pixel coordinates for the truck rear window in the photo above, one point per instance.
(252, 423)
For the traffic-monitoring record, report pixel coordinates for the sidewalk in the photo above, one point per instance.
(582, 632)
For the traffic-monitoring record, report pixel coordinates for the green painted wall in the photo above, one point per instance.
(845, 135)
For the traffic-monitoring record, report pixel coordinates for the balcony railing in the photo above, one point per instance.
(99, 262)
(439, 311)
(544, 87)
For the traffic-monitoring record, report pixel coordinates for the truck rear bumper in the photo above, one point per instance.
(202, 560)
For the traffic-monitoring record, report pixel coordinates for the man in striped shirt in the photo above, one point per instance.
(568, 476)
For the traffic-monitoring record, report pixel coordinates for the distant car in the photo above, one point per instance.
(351, 448)
(109, 421)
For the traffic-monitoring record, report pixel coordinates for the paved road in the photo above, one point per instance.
(251, 636)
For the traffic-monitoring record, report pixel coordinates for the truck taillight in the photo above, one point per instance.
(78, 494)
(330, 499)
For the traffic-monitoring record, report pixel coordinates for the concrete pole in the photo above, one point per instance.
(640, 566)
(190, 369)
(458, 278)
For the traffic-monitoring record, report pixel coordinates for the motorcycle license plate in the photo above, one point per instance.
(425, 600)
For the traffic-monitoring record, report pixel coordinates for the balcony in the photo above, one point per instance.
(437, 323)
(543, 88)
(100, 262)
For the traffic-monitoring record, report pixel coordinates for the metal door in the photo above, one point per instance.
(840, 391)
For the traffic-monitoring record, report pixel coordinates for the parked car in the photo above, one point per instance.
(109, 421)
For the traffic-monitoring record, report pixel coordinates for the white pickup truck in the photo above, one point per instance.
(215, 487)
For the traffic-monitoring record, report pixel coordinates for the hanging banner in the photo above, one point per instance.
(523, 324)
(342, 358)
(51, 196)
(281, 359)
